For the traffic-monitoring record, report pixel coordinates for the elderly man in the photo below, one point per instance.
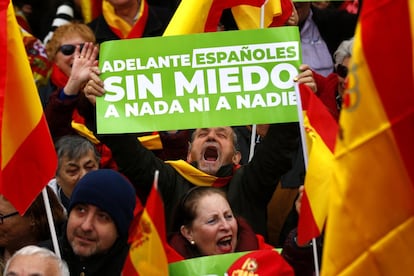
(101, 210)
(34, 260)
(76, 157)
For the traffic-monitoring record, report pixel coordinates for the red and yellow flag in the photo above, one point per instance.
(321, 131)
(370, 223)
(90, 9)
(150, 254)
(202, 15)
(28, 158)
(275, 13)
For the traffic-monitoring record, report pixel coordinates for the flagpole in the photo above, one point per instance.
(156, 175)
(254, 127)
(51, 223)
(305, 159)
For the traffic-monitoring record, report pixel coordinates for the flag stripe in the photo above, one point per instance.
(321, 130)
(371, 210)
(386, 78)
(34, 155)
(28, 158)
(202, 16)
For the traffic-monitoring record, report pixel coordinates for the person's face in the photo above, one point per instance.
(90, 230)
(16, 231)
(32, 265)
(213, 148)
(214, 230)
(342, 80)
(71, 171)
(64, 62)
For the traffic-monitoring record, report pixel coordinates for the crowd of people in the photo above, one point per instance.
(216, 199)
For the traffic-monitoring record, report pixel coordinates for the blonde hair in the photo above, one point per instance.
(55, 42)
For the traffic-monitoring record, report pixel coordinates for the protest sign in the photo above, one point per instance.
(219, 265)
(199, 80)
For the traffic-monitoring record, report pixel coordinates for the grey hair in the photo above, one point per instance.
(74, 147)
(31, 250)
(344, 50)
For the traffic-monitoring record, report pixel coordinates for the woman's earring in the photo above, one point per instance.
(192, 242)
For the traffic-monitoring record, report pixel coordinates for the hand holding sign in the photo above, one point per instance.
(94, 87)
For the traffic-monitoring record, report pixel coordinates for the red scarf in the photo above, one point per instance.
(59, 79)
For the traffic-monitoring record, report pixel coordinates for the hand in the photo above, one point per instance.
(293, 19)
(82, 63)
(306, 77)
(261, 129)
(298, 202)
(94, 87)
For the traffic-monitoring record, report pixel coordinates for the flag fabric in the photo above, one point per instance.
(276, 13)
(28, 158)
(150, 254)
(90, 9)
(321, 131)
(202, 15)
(370, 223)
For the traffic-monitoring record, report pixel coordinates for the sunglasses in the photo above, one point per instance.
(341, 70)
(69, 49)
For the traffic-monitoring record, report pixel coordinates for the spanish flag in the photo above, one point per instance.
(90, 9)
(150, 254)
(28, 158)
(370, 223)
(321, 130)
(199, 16)
(275, 13)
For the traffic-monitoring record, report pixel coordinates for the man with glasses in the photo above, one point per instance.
(31, 228)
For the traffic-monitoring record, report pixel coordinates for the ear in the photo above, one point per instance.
(236, 158)
(189, 159)
(187, 233)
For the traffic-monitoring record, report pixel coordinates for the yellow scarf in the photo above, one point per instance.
(196, 176)
(122, 28)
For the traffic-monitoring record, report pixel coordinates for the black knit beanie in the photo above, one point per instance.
(111, 192)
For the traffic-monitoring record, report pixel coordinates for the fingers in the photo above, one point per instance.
(306, 77)
(298, 201)
(94, 87)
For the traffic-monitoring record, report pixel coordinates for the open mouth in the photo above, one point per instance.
(211, 154)
(224, 244)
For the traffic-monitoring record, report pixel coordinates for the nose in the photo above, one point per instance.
(83, 171)
(224, 225)
(87, 223)
(211, 136)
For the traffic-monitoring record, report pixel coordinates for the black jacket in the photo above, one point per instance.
(108, 264)
(158, 19)
(249, 190)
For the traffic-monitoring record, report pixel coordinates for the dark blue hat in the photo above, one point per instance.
(111, 192)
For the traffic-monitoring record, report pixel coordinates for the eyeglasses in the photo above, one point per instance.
(69, 49)
(341, 70)
(2, 217)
